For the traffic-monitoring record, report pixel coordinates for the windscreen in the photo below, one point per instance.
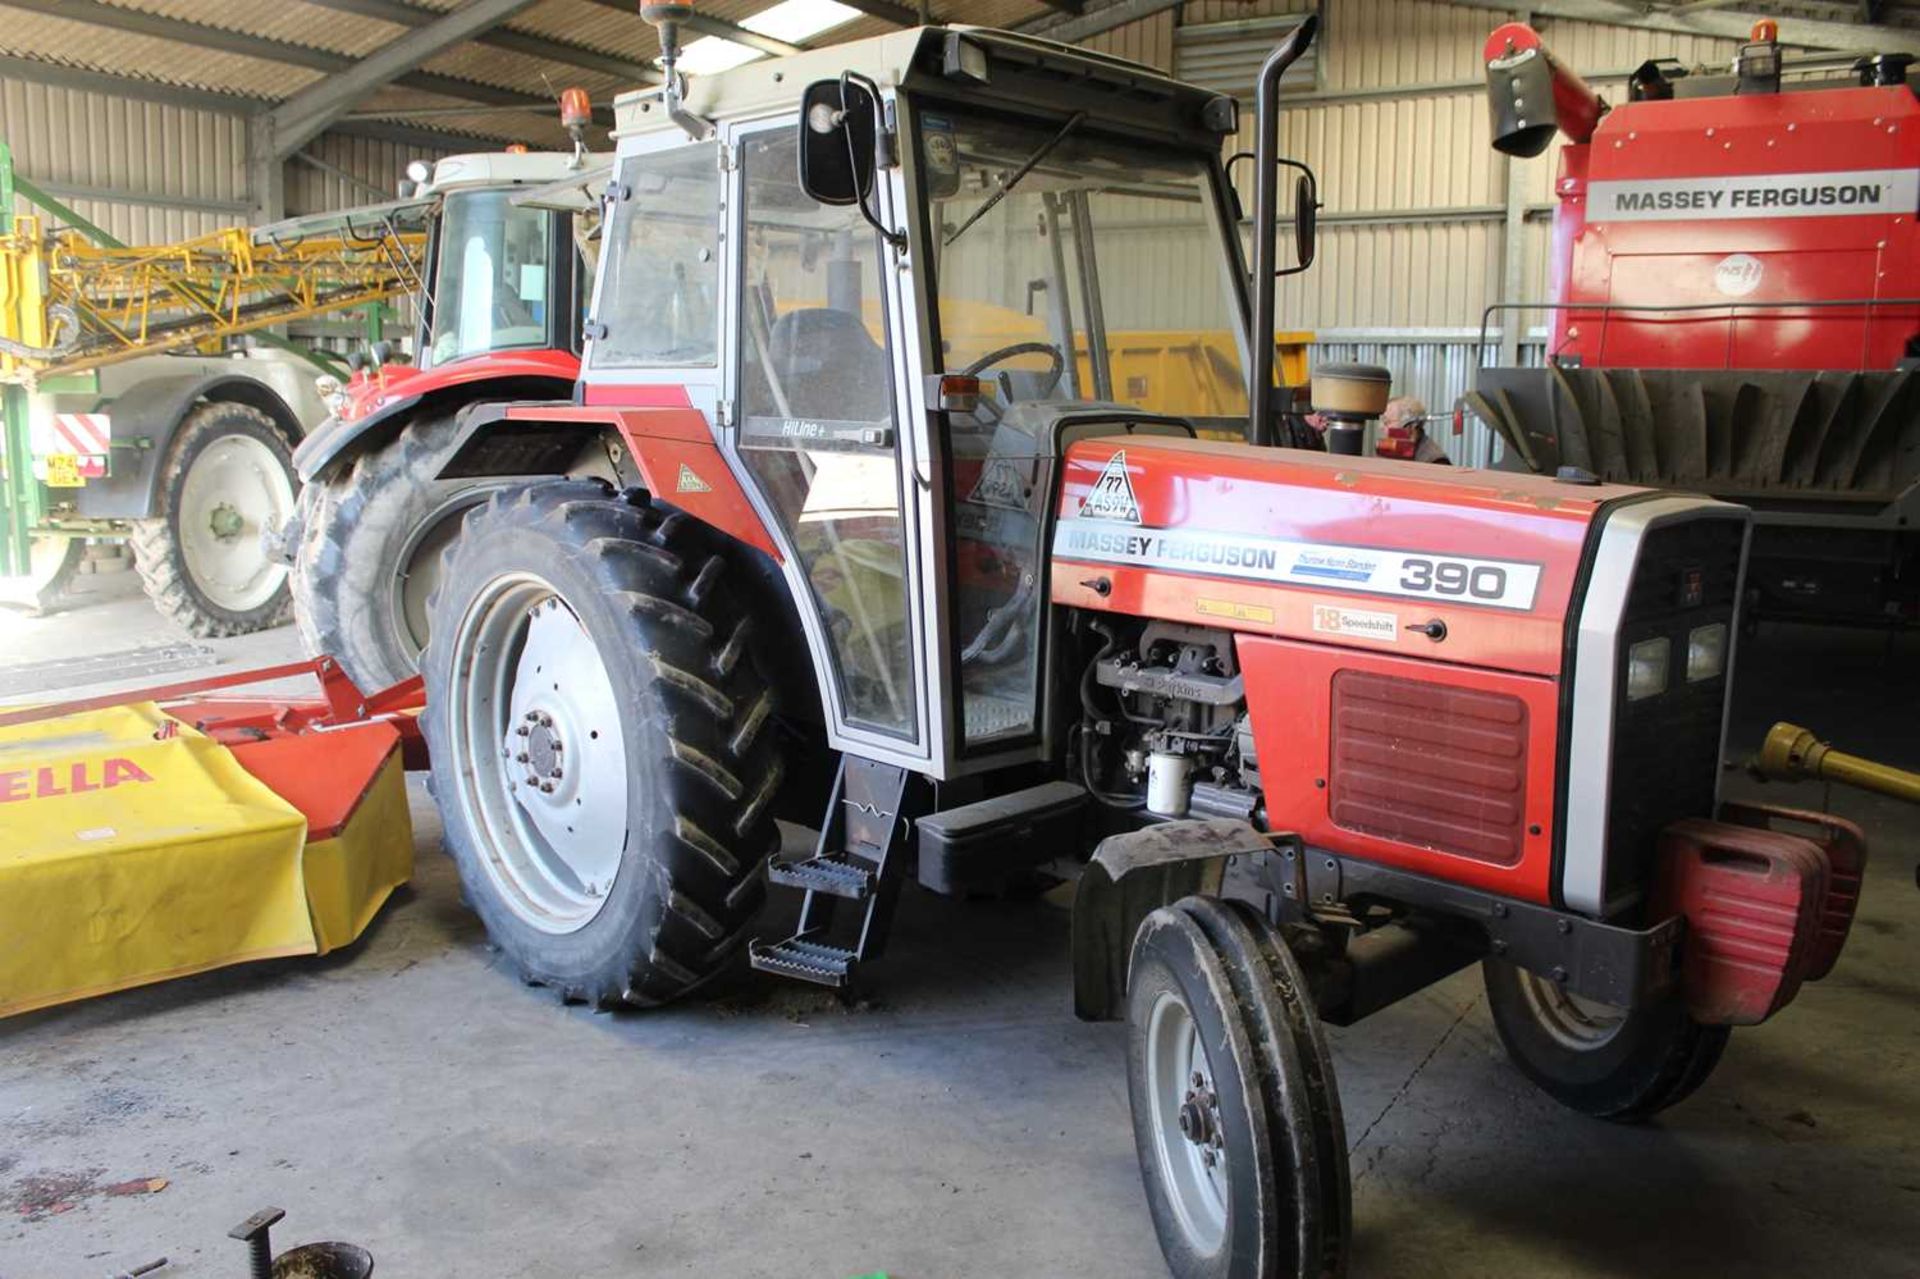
(491, 280)
(1104, 263)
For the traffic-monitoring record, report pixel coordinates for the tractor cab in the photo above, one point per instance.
(920, 284)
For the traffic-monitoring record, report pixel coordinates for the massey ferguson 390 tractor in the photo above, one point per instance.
(1735, 306)
(1437, 716)
(500, 317)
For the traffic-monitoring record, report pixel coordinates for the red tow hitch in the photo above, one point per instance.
(1768, 894)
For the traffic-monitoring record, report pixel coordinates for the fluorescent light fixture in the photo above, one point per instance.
(710, 55)
(790, 20)
(798, 20)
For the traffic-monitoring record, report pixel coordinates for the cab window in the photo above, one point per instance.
(662, 274)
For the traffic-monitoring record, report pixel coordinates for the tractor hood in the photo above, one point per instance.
(1452, 564)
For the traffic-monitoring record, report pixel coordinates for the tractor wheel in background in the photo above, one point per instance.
(602, 749)
(369, 553)
(1611, 1063)
(1236, 1117)
(227, 477)
(51, 565)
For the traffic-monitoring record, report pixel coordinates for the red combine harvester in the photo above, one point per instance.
(1735, 307)
(499, 317)
(1436, 717)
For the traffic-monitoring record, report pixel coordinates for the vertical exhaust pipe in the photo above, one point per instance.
(1266, 214)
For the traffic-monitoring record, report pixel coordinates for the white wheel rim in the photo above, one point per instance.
(1180, 1078)
(539, 753)
(46, 560)
(1580, 1024)
(235, 489)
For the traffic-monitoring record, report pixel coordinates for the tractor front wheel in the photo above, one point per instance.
(1611, 1063)
(1235, 1114)
(602, 752)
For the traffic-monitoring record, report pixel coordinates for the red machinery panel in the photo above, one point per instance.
(1753, 900)
(1436, 769)
(1742, 205)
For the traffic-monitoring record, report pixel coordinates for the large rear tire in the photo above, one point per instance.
(1236, 1117)
(602, 752)
(1611, 1063)
(369, 554)
(227, 478)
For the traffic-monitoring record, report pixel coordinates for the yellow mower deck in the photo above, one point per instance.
(135, 847)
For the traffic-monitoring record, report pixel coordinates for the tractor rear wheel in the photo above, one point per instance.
(227, 478)
(602, 752)
(1611, 1063)
(1235, 1114)
(369, 552)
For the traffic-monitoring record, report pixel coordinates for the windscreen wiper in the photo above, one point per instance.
(1044, 150)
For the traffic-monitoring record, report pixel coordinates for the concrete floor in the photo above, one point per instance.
(410, 1095)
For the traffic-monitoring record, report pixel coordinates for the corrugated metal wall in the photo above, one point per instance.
(146, 173)
(1412, 235)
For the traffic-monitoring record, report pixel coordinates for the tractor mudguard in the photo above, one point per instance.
(1131, 876)
(334, 439)
(154, 409)
(401, 389)
(670, 446)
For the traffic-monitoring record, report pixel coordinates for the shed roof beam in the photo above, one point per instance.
(708, 25)
(1808, 33)
(300, 117)
(887, 11)
(1071, 30)
(85, 81)
(162, 27)
(550, 50)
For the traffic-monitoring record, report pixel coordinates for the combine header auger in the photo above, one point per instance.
(1735, 309)
(1445, 717)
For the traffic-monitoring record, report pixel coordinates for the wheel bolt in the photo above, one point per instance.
(1207, 1156)
(546, 788)
(1199, 1080)
(556, 774)
(521, 758)
(533, 717)
(523, 731)
(546, 721)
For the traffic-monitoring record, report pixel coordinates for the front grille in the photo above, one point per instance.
(1666, 748)
(1430, 765)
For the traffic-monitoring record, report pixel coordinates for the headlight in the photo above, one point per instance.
(1706, 651)
(1647, 664)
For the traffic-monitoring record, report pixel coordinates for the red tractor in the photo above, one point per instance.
(499, 317)
(1735, 306)
(801, 506)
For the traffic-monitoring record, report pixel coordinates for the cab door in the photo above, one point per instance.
(815, 432)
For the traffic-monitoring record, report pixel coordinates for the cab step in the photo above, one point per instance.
(834, 873)
(797, 957)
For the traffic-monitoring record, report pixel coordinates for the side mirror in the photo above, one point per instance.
(836, 142)
(1306, 218)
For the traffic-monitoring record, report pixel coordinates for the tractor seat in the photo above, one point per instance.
(829, 365)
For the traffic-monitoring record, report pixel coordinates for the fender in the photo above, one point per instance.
(379, 409)
(670, 445)
(154, 410)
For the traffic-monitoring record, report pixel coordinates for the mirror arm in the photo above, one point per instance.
(883, 154)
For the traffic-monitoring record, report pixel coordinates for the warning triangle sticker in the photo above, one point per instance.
(691, 483)
(1112, 495)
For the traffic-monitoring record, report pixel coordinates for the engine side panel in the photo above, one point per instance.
(1474, 759)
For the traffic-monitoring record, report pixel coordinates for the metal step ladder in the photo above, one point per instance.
(861, 857)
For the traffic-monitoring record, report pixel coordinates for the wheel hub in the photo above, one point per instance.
(225, 522)
(1186, 1111)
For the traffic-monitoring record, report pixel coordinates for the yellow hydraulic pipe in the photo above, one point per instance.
(1791, 753)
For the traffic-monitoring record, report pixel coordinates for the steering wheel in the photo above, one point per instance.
(991, 358)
